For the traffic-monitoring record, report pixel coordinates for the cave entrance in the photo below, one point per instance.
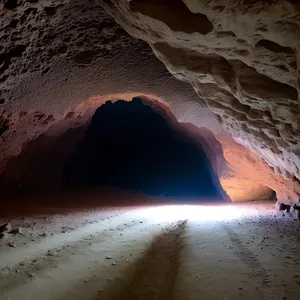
(273, 196)
(129, 146)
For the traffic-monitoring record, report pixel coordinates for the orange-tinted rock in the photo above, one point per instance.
(245, 68)
(241, 59)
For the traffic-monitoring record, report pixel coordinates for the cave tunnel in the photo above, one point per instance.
(129, 146)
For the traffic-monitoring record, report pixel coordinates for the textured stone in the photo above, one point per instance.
(244, 65)
(66, 53)
(61, 59)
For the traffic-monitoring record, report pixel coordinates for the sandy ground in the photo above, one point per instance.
(148, 251)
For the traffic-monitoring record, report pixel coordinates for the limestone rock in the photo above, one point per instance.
(60, 60)
(242, 58)
(56, 55)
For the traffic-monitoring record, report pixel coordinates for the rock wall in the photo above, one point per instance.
(39, 167)
(73, 51)
(129, 145)
(241, 57)
(61, 59)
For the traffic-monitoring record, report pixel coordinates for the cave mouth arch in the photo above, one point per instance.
(130, 146)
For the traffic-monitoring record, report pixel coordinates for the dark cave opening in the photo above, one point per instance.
(129, 146)
(273, 196)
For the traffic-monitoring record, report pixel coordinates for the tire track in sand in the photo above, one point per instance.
(154, 275)
(40, 263)
(250, 259)
(39, 248)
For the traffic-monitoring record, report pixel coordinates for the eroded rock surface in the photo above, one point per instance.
(61, 59)
(241, 57)
(71, 51)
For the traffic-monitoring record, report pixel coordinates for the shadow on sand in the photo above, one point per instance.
(154, 275)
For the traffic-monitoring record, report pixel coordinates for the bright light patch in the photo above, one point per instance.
(171, 213)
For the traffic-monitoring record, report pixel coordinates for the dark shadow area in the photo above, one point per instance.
(273, 196)
(129, 146)
(169, 12)
(152, 276)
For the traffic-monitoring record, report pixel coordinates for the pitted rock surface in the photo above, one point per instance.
(241, 58)
(62, 54)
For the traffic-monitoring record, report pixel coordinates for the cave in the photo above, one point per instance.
(127, 145)
(149, 149)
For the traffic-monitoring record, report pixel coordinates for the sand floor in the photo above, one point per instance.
(143, 252)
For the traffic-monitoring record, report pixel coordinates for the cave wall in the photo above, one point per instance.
(73, 51)
(129, 145)
(60, 59)
(242, 58)
(39, 167)
(235, 169)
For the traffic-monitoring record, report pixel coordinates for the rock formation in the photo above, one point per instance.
(61, 59)
(130, 146)
(241, 57)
